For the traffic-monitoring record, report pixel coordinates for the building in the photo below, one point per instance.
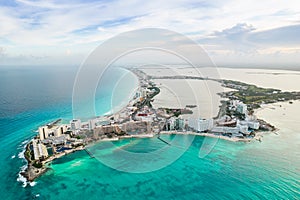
(103, 123)
(179, 124)
(243, 129)
(55, 131)
(61, 140)
(240, 128)
(225, 129)
(175, 124)
(75, 124)
(170, 124)
(137, 94)
(253, 124)
(92, 124)
(201, 125)
(60, 130)
(241, 108)
(43, 132)
(39, 150)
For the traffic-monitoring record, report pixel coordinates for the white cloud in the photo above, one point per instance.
(52, 27)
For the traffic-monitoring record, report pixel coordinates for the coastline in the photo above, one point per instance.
(235, 139)
(31, 173)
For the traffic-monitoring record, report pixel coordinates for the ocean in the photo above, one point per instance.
(31, 97)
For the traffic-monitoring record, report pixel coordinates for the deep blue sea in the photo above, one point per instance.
(30, 97)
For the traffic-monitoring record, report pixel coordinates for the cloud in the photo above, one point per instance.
(52, 27)
(237, 30)
(231, 39)
(282, 36)
(245, 38)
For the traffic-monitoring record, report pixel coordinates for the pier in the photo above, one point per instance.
(163, 141)
(90, 154)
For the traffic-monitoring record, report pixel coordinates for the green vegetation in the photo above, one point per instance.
(79, 137)
(253, 95)
(37, 164)
(28, 153)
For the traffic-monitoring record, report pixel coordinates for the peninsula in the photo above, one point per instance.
(235, 122)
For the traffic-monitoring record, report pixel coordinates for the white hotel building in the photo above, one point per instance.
(201, 125)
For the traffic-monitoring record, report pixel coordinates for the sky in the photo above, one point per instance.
(233, 32)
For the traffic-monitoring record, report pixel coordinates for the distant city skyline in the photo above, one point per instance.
(60, 32)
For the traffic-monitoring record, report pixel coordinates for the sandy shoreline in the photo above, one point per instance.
(205, 97)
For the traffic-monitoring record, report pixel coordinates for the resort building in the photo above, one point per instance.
(179, 124)
(75, 124)
(241, 108)
(243, 129)
(43, 132)
(225, 129)
(175, 124)
(92, 124)
(251, 124)
(39, 150)
(170, 125)
(55, 131)
(201, 125)
(60, 130)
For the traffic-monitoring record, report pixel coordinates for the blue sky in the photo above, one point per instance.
(232, 31)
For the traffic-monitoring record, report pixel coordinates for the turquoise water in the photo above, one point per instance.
(267, 170)
(230, 171)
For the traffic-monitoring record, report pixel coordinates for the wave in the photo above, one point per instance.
(32, 183)
(21, 154)
(21, 178)
(23, 147)
(25, 142)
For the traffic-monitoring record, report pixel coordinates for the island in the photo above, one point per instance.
(235, 121)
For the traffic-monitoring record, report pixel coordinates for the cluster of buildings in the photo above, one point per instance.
(52, 138)
(228, 125)
(138, 118)
(51, 131)
(175, 123)
(130, 120)
(238, 106)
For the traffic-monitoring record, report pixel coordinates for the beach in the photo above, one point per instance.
(201, 96)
